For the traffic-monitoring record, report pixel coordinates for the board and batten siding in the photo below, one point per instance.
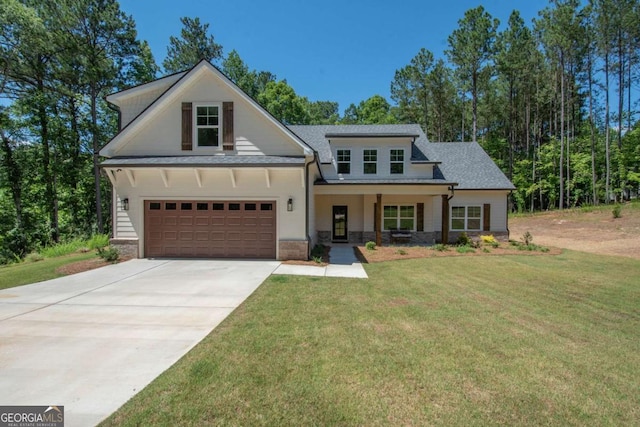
(254, 133)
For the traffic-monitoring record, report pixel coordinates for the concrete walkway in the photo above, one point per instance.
(90, 341)
(342, 263)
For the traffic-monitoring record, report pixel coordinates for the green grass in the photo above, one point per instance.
(31, 272)
(513, 340)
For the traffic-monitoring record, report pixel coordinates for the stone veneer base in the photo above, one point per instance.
(127, 248)
(293, 250)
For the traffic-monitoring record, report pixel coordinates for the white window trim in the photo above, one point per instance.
(364, 162)
(196, 146)
(350, 161)
(466, 218)
(392, 162)
(415, 214)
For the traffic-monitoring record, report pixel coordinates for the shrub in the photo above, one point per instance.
(34, 257)
(371, 246)
(98, 241)
(464, 240)
(318, 251)
(109, 254)
(62, 249)
(488, 239)
(440, 247)
(401, 252)
(527, 238)
(317, 259)
(465, 249)
(617, 211)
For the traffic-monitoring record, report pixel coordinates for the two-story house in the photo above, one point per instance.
(199, 169)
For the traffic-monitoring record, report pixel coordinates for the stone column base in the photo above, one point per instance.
(127, 248)
(293, 250)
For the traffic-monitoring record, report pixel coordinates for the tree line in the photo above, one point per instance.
(554, 103)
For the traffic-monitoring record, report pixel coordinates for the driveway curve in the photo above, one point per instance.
(92, 340)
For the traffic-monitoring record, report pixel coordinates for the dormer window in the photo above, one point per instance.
(370, 162)
(343, 158)
(207, 130)
(397, 161)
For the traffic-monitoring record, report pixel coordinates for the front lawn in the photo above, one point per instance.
(513, 340)
(31, 272)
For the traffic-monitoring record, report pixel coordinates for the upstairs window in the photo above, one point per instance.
(207, 127)
(397, 161)
(343, 158)
(370, 162)
(466, 218)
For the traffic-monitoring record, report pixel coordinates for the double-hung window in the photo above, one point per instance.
(396, 161)
(343, 158)
(370, 162)
(466, 218)
(207, 125)
(402, 216)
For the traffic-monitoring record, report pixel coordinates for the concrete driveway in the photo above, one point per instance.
(92, 340)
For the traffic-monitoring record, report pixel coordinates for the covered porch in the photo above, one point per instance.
(358, 213)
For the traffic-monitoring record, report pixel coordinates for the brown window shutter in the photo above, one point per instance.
(486, 221)
(187, 126)
(228, 140)
(420, 219)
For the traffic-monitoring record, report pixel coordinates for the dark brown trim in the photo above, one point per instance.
(378, 226)
(420, 217)
(445, 219)
(187, 126)
(486, 217)
(228, 139)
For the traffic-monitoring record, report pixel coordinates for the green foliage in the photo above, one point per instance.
(401, 252)
(109, 254)
(34, 257)
(617, 211)
(98, 241)
(317, 259)
(370, 246)
(375, 110)
(527, 238)
(62, 249)
(282, 102)
(318, 251)
(464, 240)
(194, 44)
(440, 247)
(465, 249)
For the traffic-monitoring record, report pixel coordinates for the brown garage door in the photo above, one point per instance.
(206, 229)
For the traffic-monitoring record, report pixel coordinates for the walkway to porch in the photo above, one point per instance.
(342, 263)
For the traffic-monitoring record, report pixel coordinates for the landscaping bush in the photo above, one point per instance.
(464, 240)
(465, 249)
(617, 211)
(527, 238)
(318, 251)
(62, 249)
(401, 252)
(371, 246)
(489, 240)
(98, 241)
(109, 254)
(33, 257)
(440, 247)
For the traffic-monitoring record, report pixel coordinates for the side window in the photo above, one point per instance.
(370, 162)
(343, 158)
(396, 161)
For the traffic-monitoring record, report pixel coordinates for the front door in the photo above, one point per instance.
(340, 223)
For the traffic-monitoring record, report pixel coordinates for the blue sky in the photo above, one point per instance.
(344, 51)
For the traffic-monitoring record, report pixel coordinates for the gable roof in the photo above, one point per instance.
(172, 93)
(465, 163)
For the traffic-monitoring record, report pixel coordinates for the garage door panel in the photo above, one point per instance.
(188, 228)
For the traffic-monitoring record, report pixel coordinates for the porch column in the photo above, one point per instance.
(377, 222)
(445, 219)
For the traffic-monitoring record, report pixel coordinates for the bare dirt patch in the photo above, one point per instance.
(596, 231)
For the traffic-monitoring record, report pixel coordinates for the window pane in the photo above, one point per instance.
(370, 155)
(457, 224)
(234, 206)
(473, 224)
(473, 211)
(154, 206)
(406, 223)
(457, 212)
(185, 206)
(249, 206)
(266, 206)
(344, 155)
(202, 206)
(390, 211)
(390, 223)
(208, 137)
(370, 168)
(406, 211)
(397, 155)
(170, 206)
(344, 168)
(218, 207)
(397, 168)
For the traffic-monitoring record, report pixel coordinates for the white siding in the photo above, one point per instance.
(136, 104)
(254, 133)
(217, 184)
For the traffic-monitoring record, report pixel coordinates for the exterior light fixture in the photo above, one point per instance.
(290, 204)
(125, 204)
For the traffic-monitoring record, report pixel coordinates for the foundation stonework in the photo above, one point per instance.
(126, 248)
(293, 250)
